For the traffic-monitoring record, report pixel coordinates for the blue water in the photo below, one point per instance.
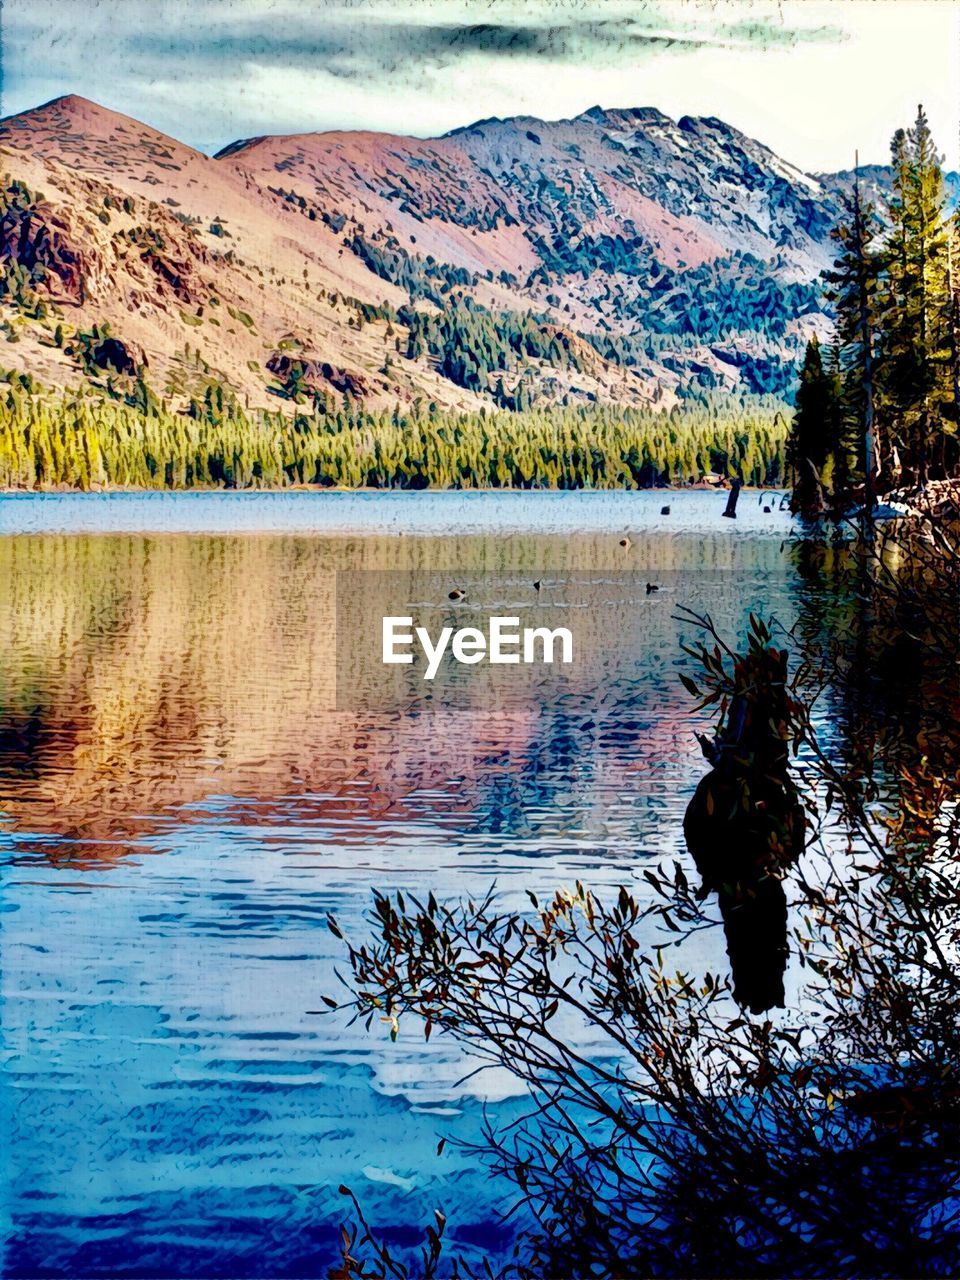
(183, 803)
(369, 512)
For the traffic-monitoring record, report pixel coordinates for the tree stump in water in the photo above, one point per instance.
(745, 825)
(731, 508)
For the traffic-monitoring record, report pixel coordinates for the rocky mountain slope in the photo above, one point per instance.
(619, 256)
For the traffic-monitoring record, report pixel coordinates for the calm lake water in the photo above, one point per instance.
(183, 800)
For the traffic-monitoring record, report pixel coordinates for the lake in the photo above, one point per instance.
(186, 792)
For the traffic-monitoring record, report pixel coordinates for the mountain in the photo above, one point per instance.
(620, 256)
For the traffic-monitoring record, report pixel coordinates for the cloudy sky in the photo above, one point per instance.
(814, 79)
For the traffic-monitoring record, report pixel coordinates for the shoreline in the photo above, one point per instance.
(366, 489)
(443, 513)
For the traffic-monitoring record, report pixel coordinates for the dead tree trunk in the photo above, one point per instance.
(731, 510)
(745, 825)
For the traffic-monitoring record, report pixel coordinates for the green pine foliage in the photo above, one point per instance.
(19, 280)
(421, 277)
(886, 411)
(84, 440)
(916, 392)
(488, 350)
(853, 286)
(809, 444)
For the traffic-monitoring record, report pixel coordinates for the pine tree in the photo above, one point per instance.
(853, 288)
(928, 302)
(896, 354)
(915, 307)
(843, 428)
(809, 445)
(895, 376)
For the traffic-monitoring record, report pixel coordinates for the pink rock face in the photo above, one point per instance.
(664, 255)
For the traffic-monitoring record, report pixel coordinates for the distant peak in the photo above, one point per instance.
(70, 102)
(73, 114)
(708, 122)
(241, 144)
(625, 115)
(486, 122)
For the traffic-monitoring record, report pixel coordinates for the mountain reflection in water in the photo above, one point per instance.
(182, 803)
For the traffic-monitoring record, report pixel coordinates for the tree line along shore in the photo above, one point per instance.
(66, 439)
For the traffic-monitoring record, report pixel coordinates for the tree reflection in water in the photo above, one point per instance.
(745, 824)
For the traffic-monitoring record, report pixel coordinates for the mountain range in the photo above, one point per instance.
(619, 256)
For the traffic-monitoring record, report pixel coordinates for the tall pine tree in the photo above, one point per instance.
(853, 289)
(915, 311)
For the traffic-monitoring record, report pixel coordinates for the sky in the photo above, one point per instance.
(814, 79)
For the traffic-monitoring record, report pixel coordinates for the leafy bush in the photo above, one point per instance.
(693, 1139)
